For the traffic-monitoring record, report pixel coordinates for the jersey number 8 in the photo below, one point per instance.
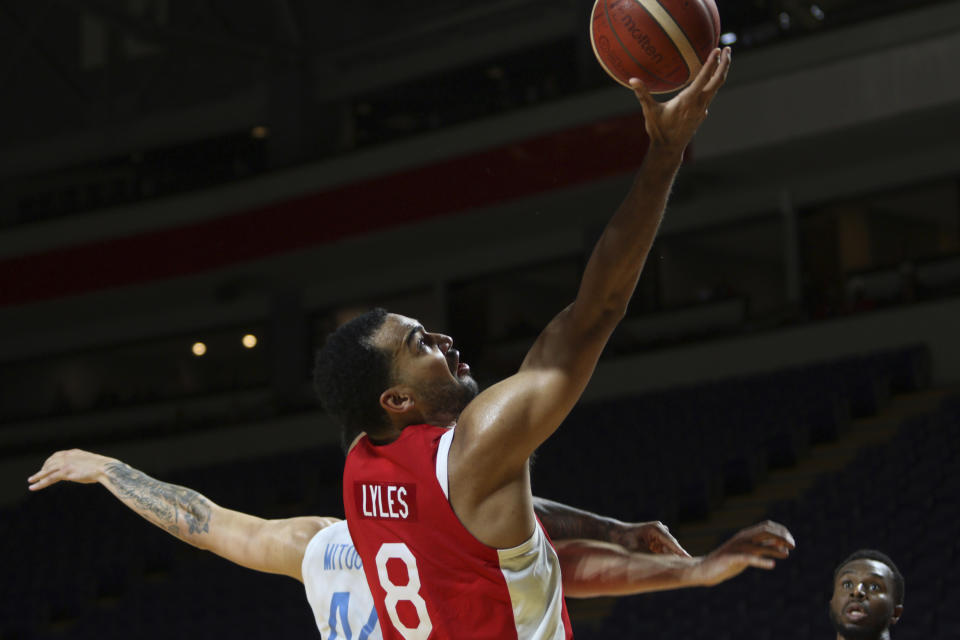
(409, 592)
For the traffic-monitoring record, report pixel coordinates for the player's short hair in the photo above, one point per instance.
(899, 588)
(350, 373)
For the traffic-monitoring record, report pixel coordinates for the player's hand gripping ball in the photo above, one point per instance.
(664, 43)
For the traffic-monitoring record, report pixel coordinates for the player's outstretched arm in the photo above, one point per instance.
(611, 274)
(568, 349)
(499, 430)
(271, 546)
(591, 568)
(565, 522)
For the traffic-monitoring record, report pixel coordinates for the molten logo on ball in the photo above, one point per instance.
(642, 39)
(662, 42)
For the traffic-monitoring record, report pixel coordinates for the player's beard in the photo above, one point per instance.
(872, 630)
(446, 401)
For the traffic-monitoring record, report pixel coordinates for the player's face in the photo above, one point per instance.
(429, 364)
(862, 606)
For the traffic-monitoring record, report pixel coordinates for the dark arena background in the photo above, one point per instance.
(181, 173)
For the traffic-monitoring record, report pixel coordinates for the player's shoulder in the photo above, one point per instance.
(412, 438)
(424, 432)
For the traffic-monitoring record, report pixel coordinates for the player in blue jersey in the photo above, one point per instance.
(598, 555)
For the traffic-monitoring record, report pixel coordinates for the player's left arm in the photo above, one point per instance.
(562, 521)
(271, 546)
(591, 568)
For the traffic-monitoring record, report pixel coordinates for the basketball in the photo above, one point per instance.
(664, 43)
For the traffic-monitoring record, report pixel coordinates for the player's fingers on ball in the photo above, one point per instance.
(723, 64)
(719, 75)
(708, 68)
(640, 90)
(706, 71)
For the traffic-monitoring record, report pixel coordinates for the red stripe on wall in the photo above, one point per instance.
(520, 169)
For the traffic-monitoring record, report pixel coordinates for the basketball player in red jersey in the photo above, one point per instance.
(443, 517)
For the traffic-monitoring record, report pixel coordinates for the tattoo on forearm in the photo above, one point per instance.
(562, 521)
(166, 504)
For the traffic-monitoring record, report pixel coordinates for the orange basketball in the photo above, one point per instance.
(662, 42)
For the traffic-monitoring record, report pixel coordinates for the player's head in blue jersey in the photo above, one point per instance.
(381, 371)
(867, 600)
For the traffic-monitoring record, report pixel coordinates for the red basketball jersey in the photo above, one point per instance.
(429, 576)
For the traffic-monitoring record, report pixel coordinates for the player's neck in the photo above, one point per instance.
(397, 425)
(883, 635)
(386, 436)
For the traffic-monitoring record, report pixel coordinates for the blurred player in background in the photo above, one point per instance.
(319, 552)
(867, 600)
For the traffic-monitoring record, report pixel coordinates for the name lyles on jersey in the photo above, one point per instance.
(386, 501)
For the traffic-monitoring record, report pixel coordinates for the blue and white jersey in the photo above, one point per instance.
(337, 587)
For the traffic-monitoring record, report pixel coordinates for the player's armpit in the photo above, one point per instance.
(494, 438)
(504, 425)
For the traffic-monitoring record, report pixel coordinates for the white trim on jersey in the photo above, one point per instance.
(443, 450)
(531, 571)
